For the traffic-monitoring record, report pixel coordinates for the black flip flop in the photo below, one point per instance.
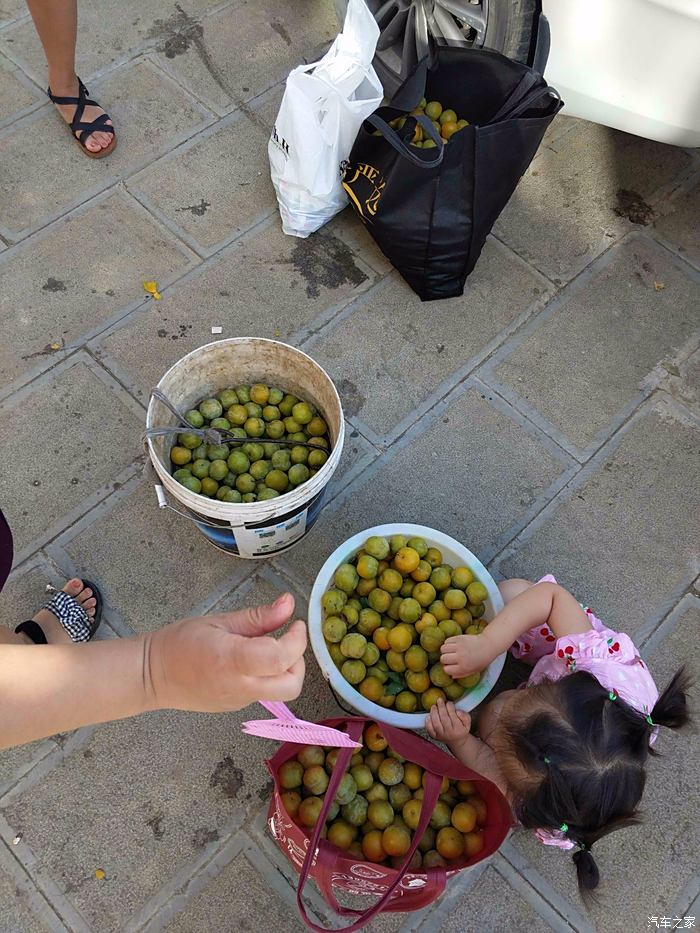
(70, 614)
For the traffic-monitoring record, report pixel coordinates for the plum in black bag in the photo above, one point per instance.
(430, 210)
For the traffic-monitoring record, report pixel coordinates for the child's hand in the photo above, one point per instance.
(465, 654)
(448, 724)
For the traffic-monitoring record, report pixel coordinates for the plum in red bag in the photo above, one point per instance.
(397, 818)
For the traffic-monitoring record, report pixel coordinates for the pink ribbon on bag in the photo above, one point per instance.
(285, 727)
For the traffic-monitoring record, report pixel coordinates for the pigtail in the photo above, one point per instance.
(671, 709)
(587, 873)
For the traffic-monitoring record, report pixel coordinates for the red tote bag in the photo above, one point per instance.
(331, 867)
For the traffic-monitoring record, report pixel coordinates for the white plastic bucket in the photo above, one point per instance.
(254, 529)
(453, 553)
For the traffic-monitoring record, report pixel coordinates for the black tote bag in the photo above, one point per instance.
(430, 210)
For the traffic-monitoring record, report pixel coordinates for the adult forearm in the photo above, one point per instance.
(45, 689)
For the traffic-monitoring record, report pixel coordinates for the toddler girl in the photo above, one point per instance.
(569, 751)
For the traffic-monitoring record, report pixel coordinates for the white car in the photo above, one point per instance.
(630, 64)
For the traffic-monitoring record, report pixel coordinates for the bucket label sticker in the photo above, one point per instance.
(254, 542)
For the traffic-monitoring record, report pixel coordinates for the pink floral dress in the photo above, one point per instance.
(610, 657)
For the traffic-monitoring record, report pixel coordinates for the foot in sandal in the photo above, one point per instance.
(73, 614)
(88, 123)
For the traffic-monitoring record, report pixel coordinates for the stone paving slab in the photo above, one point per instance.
(275, 34)
(490, 905)
(683, 381)
(108, 34)
(16, 762)
(72, 407)
(239, 899)
(667, 843)
(391, 332)
(184, 569)
(626, 506)
(494, 480)
(268, 286)
(17, 915)
(214, 189)
(679, 224)
(11, 10)
(573, 203)
(149, 113)
(165, 785)
(587, 361)
(16, 92)
(77, 276)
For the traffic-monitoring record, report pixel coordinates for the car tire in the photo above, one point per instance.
(510, 27)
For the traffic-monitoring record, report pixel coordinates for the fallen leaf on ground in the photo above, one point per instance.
(659, 286)
(152, 289)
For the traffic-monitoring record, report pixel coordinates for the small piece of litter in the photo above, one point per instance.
(56, 346)
(217, 330)
(659, 286)
(100, 874)
(152, 289)
(18, 838)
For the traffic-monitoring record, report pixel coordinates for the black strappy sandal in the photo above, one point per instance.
(98, 125)
(70, 614)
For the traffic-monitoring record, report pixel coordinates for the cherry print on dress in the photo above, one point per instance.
(612, 648)
(566, 654)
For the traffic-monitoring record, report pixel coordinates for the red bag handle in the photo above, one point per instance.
(436, 876)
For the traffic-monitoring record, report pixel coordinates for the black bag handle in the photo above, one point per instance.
(510, 109)
(532, 98)
(521, 89)
(397, 143)
(411, 91)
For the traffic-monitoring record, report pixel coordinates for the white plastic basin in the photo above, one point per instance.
(453, 553)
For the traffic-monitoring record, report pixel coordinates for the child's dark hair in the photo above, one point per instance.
(573, 754)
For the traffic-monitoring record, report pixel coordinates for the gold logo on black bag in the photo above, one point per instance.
(364, 185)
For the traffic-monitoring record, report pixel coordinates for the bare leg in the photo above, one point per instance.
(56, 22)
(512, 588)
(52, 628)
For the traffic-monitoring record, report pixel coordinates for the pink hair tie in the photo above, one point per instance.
(555, 837)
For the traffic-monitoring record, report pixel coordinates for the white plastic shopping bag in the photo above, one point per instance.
(323, 107)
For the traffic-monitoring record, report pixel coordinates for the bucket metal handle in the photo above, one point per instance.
(163, 503)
